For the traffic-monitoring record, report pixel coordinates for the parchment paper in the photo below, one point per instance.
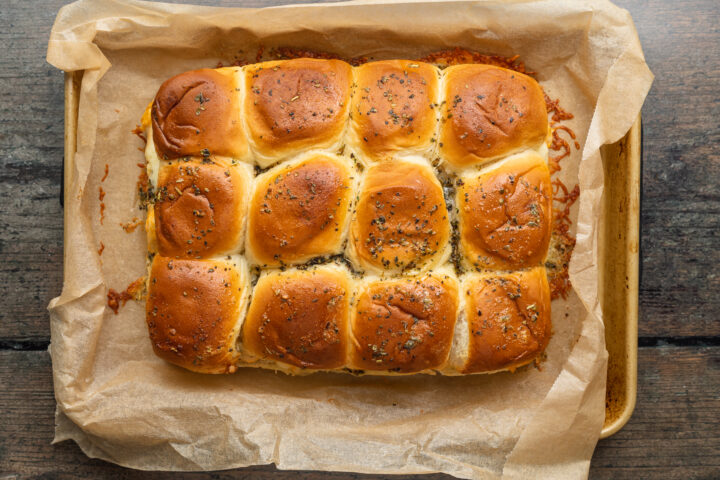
(121, 403)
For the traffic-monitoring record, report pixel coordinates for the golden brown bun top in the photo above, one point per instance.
(295, 104)
(193, 309)
(299, 317)
(200, 208)
(393, 106)
(508, 319)
(506, 214)
(299, 211)
(401, 221)
(404, 325)
(490, 111)
(197, 113)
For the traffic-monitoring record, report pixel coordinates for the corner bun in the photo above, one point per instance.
(200, 208)
(508, 318)
(506, 215)
(294, 105)
(299, 318)
(490, 112)
(404, 325)
(393, 108)
(300, 210)
(197, 113)
(401, 221)
(193, 311)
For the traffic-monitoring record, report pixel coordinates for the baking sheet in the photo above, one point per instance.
(620, 275)
(122, 404)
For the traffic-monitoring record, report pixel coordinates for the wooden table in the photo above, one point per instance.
(675, 431)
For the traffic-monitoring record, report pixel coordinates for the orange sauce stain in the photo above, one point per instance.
(139, 132)
(132, 225)
(134, 291)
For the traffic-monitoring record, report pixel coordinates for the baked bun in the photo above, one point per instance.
(300, 210)
(400, 221)
(505, 214)
(194, 310)
(295, 105)
(200, 208)
(490, 112)
(394, 109)
(508, 319)
(404, 325)
(197, 113)
(299, 318)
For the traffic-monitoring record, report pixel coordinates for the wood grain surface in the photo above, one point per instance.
(674, 431)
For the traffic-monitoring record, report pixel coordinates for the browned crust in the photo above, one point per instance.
(300, 211)
(393, 107)
(299, 318)
(295, 104)
(197, 113)
(490, 111)
(404, 325)
(508, 319)
(193, 310)
(401, 220)
(200, 208)
(506, 215)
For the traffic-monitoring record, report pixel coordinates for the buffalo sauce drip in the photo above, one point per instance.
(562, 241)
(459, 56)
(143, 187)
(139, 132)
(132, 225)
(259, 54)
(288, 53)
(142, 183)
(101, 197)
(134, 291)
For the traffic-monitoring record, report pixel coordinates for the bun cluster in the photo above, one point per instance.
(391, 218)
